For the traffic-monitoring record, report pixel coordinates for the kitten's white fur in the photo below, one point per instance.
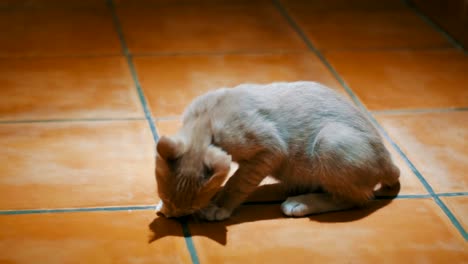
(302, 133)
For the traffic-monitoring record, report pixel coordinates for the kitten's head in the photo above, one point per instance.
(188, 177)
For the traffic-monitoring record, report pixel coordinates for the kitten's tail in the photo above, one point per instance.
(392, 176)
(390, 185)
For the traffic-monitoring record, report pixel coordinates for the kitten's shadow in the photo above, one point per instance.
(258, 210)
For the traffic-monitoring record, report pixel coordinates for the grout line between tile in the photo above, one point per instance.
(452, 194)
(216, 53)
(403, 196)
(359, 104)
(189, 241)
(75, 210)
(221, 53)
(434, 25)
(131, 66)
(70, 120)
(153, 207)
(294, 25)
(178, 117)
(118, 27)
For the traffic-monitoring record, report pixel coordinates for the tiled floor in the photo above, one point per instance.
(87, 87)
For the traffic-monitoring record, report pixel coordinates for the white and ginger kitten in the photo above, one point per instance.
(303, 134)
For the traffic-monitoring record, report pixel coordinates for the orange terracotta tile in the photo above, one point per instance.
(168, 127)
(414, 231)
(405, 79)
(71, 164)
(172, 82)
(345, 4)
(436, 144)
(207, 28)
(140, 3)
(57, 31)
(349, 26)
(90, 237)
(459, 207)
(409, 183)
(51, 88)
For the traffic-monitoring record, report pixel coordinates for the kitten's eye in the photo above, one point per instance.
(173, 159)
(173, 162)
(207, 172)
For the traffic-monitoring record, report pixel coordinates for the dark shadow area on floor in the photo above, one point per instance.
(261, 210)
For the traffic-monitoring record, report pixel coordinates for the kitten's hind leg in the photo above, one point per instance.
(313, 203)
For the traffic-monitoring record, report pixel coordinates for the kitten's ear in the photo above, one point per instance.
(213, 184)
(217, 159)
(169, 148)
(211, 187)
(220, 162)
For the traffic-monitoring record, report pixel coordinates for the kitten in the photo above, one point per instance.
(302, 133)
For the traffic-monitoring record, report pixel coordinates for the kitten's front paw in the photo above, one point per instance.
(159, 206)
(295, 207)
(214, 213)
